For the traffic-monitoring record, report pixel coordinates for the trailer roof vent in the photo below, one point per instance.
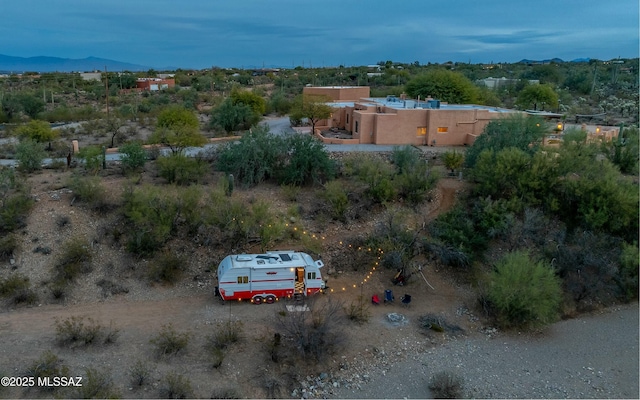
(244, 257)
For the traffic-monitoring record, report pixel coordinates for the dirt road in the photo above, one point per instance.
(588, 357)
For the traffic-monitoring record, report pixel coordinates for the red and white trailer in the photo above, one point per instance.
(267, 277)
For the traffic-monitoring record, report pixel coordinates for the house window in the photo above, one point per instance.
(311, 275)
(356, 127)
(443, 129)
(243, 279)
(422, 130)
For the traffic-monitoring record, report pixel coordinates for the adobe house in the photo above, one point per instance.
(153, 84)
(399, 121)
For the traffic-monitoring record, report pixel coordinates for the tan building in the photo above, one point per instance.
(399, 121)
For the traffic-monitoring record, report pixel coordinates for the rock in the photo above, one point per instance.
(12, 261)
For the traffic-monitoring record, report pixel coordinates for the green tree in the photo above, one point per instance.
(11, 107)
(453, 160)
(253, 159)
(93, 158)
(29, 155)
(314, 108)
(523, 292)
(180, 169)
(279, 104)
(113, 125)
(177, 128)
(538, 95)
(39, 131)
(443, 85)
(517, 130)
(307, 161)
(32, 105)
(253, 100)
(132, 156)
(233, 117)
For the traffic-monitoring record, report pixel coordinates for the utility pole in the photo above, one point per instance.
(106, 84)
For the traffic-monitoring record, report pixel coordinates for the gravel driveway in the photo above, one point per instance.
(593, 356)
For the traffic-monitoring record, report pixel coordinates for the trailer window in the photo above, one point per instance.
(243, 279)
(311, 275)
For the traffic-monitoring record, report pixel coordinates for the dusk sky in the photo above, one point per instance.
(288, 33)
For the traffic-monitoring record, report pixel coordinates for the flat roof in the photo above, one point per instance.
(398, 104)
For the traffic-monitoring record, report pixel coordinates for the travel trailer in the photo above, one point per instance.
(268, 277)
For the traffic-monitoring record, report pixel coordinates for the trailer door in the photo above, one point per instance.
(300, 281)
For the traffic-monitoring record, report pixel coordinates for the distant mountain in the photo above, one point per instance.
(555, 60)
(9, 64)
(581, 60)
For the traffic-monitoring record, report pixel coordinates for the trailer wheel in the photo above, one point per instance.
(257, 300)
(270, 299)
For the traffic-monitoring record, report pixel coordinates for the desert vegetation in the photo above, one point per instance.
(537, 234)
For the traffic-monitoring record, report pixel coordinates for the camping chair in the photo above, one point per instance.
(405, 300)
(375, 299)
(388, 296)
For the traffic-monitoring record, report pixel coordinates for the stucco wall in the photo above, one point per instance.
(400, 126)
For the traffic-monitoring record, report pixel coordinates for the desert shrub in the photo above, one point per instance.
(446, 385)
(110, 288)
(8, 244)
(589, 265)
(13, 211)
(518, 131)
(315, 333)
(265, 224)
(97, 384)
(629, 266)
(307, 161)
(522, 292)
(437, 323)
(290, 192)
(132, 156)
(93, 157)
(74, 331)
(375, 173)
(405, 158)
(215, 356)
(62, 220)
(182, 170)
(169, 342)
(152, 216)
(453, 160)
(253, 159)
(176, 386)
(74, 259)
(600, 199)
(394, 233)
(139, 373)
(49, 366)
(335, 195)
(415, 183)
(455, 238)
(166, 268)
(226, 333)
(226, 393)
(358, 311)
(90, 191)
(13, 284)
(30, 155)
